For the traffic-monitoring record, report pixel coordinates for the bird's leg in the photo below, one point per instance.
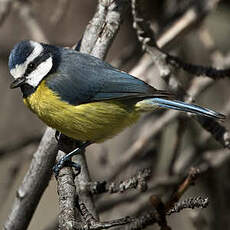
(66, 160)
(78, 47)
(57, 135)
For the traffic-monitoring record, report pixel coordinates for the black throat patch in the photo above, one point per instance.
(27, 90)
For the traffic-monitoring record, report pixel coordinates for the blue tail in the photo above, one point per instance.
(182, 106)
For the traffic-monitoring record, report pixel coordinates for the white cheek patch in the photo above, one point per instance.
(35, 77)
(19, 70)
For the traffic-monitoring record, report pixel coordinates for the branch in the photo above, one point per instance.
(133, 223)
(162, 209)
(93, 224)
(158, 215)
(198, 70)
(34, 183)
(138, 181)
(103, 28)
(189, 180)
(67, 196)
(195, 202)
(218, 131)
(146, 36)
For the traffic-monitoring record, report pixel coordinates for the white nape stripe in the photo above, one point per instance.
(20, 70)
(36, 52)
(40, 72)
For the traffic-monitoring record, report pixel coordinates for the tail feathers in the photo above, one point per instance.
(179, 105)
(164, 94)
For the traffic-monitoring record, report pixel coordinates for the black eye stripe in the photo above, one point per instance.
(36, 62)
(31, 66)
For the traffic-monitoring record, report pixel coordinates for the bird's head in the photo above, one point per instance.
(29, 63)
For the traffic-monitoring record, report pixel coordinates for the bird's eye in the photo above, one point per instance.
(31, 66)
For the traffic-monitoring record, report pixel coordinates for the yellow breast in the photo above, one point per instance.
(94, 121)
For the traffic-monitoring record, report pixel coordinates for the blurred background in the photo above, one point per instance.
(62, 22)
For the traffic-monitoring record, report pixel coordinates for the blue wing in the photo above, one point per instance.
(81, 78)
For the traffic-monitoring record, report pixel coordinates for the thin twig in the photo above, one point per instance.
(162, 209)
(194, 202)
(93, 224)
(189, 180)
(138, 181)
(129, 222)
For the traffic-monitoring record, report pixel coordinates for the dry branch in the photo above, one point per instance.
(34, 183)
(67, 196)
(194, 202)
(138, 181)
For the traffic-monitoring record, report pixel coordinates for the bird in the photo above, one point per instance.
(82, 96)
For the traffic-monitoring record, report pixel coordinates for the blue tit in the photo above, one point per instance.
(82, 96)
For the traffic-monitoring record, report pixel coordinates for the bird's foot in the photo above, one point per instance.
(66, 162)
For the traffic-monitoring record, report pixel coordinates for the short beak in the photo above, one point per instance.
(17, 82)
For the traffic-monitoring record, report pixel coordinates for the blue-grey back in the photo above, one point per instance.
(81, 78)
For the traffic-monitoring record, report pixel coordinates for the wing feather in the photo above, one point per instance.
(81, 78)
